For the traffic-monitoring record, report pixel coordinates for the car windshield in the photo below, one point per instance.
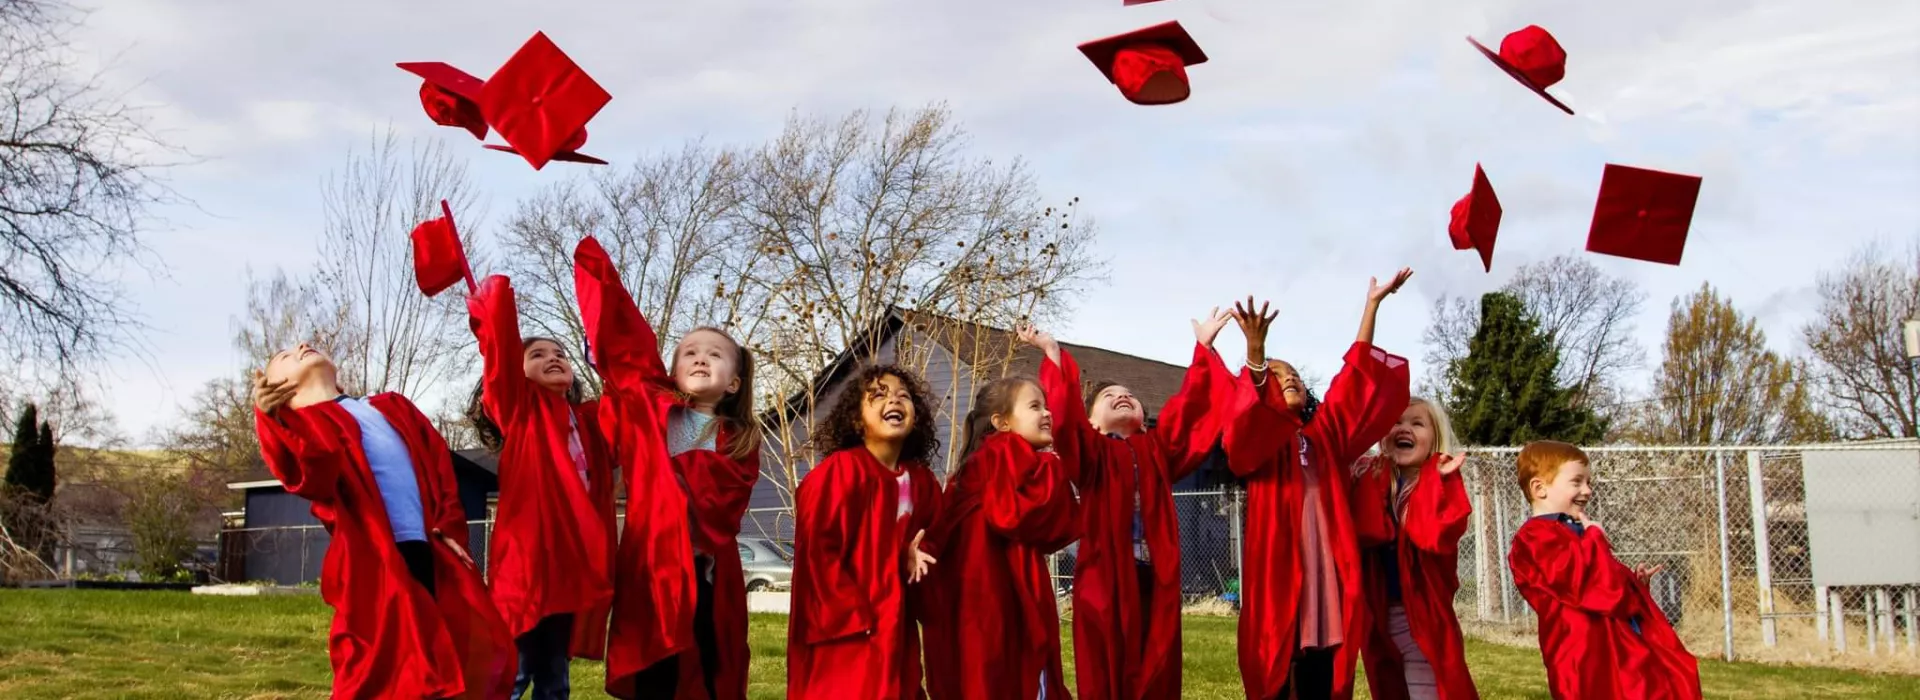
(781, 549)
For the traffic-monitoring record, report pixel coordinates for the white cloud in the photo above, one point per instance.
(1324, 142)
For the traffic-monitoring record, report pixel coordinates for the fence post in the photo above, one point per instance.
(1913, 637)
(1884, 600)
(1726, 572)
(1820, 611)
(1500, 540)
(1482, 556)
(1873, 636)
(1239, 545)
(1838, 609)
(1762, 548)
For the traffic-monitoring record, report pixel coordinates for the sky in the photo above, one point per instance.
(1324, 143)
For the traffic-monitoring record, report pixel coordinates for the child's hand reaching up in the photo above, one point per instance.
(918, 561)
(1042, 340)
(1204, 331)
(1450, 464)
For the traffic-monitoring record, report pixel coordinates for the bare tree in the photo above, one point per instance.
(1719, 384)
(1587, 313)
(76, 181)
(665, 222)
(390, 337)
(1860, 363)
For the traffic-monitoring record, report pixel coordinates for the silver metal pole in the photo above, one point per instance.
(1884, 600)
(1913, 637)
(1726, 572)
(1500, 540)
(1838, 609)
(1762, 548)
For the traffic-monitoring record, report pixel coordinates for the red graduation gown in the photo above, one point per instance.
(853, 634)
(654, 591)
(389, 639)
(1266, 446)
(552, 535)
(1111, 660)
(992, 626)
(1425, 541)
(1585, 598)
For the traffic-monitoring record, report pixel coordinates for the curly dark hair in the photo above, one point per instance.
(844, 428)
(484, 427)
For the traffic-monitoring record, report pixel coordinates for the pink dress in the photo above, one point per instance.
(1321, 625)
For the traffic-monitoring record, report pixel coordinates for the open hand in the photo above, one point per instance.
(1253, 324)
(1645, 572)
(1377, 292)
(1450, 464)
(270, 396)
(918, 561)
(1040, 339)
(459, 552)
(1205, 331)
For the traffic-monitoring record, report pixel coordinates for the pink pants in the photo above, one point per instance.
(1413, 664)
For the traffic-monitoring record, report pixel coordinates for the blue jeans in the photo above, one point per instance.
(544, 660)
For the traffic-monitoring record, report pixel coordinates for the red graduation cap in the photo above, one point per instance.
(450, 96)
(1643, 214)
(1476, 218)
(1532, 57)
(1148, 65)
(438, 258)
(540, 102)
(569, 151)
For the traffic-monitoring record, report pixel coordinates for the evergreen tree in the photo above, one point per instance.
(43, 471)
(23, 461)
(1505, 391)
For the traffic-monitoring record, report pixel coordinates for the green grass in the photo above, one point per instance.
(133, 645)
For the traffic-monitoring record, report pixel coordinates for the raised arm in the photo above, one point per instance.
(1073, 436)
(826, 524)
(1377, 293)
(1258, 425)
(1027, 497)
(1367, 396)
(300, 452)
(626, 352)
(1577, 571)
(495, 320)
(1438, 509)
(1193, 419)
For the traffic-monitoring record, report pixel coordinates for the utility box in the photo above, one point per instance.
(1863, 516)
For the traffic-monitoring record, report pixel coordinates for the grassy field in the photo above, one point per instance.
(99, 644)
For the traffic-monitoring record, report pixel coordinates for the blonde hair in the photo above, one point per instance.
(1541, 459)
(1443, 437)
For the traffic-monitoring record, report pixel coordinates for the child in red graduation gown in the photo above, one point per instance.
(1303, 601)
(860, 515)
(686, 437)
(992, 631)
(1126, 590)
(412, 619)
(1601, 635)
(1410, 509)
(552, 538)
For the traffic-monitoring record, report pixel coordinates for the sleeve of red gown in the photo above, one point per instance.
(626, 351)
(1366, 398)
(1437, 513)
(1367, 502)
(827, 520)
(306, 461)
(1190, 423)
(1256, 428)
(495, 320)
(1578, 571)
(1073, 436)
(1027, 497)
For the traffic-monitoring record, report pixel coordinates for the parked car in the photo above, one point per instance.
(766, 562)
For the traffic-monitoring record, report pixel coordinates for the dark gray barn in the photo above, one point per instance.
(281, 541)
(956, 359)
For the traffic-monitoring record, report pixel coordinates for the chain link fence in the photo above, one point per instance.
(1801, 554)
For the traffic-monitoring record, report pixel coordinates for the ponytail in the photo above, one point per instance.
(994, 399)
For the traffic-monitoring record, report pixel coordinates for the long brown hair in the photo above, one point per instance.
(735, 410)
(994, 399)
(483, 425)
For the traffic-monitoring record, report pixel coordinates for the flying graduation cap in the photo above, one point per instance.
(450, 96)
(1149, 65)
(438, 258)
(1476, 218)
(1643, 214)
(540, 103)
(1533, 57)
